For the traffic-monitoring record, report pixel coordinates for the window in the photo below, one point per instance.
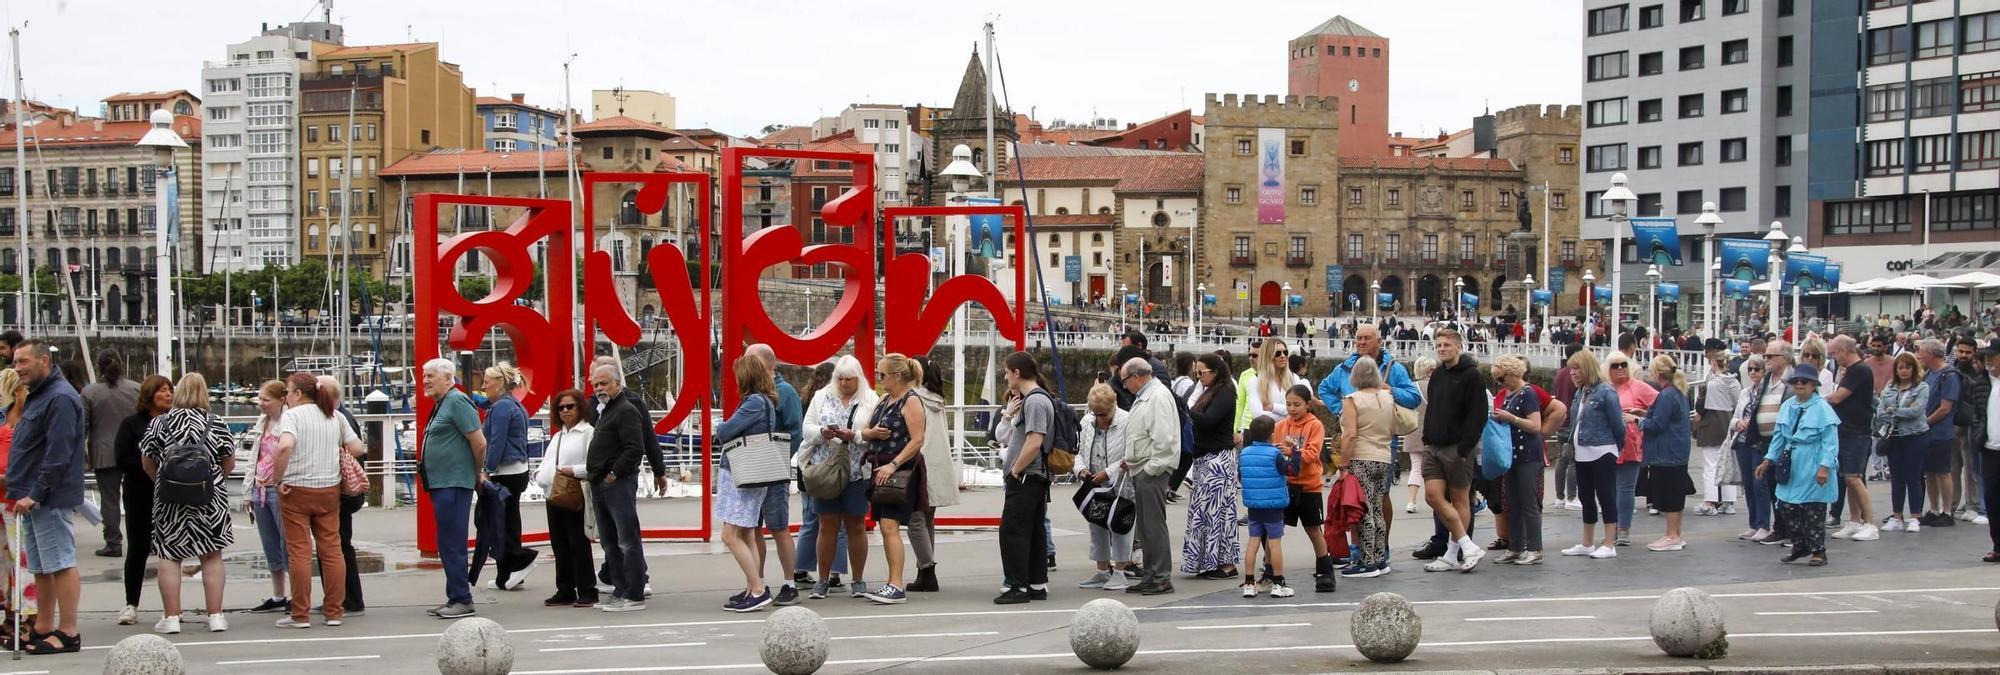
(1468, 246)
(1785, 7)
(1929, 154)
(1607, 66)
(218, 114)
(371, 131)
(272, 85)
(503, 144)
(1239, 248)
(1735, 7)
(1392, 246)
(1735, 51)
(1652, 16)
(1356, 244)
(1888, 45)
(1966, 212)
(1651, 63)
(1649, 204)
(1934, 38)
(271, 114)
(1689, 154)
(1732, 199)
(1558, 200)
(1649, 110)
(1308, 195)
(1869, 217)
(312, 167)
(225, 86)
(1691, 10)
(1298, 147)
(224, 141)
(1594, 206)
(608, 152)
(1692, 57)
(871, 124)
(1465, 199)
(1232, 195)
(1607, 20)
(1784, 50)
(1296, 250)
(1932, 97)
(1979, 150)
(1566, 155)
(424, 137)
(1568, 251)
(1735, 149)
(1691, 105)
(269, 143)
(1394, 197)
(1781, 201)
(893, 124)
(1606, 112)
(1885, 158)
(1979, 33)
(333, 133)
(1687, 201)
(1887, 102)
(1979, 91)
(1506, 199)
(312, 134)
(1649, 157)
(1243, 146)
(1783, 102)
(1735, 101)
(1783, 152)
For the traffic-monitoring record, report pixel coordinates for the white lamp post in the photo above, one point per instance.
(1123, 307)
(809, 307)
(1798, 246)
(1285, 324)
(1458, 301)
(1375, 300)
(1589, 306)
(1709, 220)
(1201, 296)
(1620, 198)
(1653, 299)
(1714, 287)
(960, 172)
(1528, 283)
(163, 142)
(1776, 239)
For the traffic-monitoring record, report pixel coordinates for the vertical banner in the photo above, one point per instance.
(1073, 269)
(1558, 280)
(1832, 276)
(1658, 241)
(1807, 271)
(1385, 300)
(988, 232)
(1736, 289)
(1334, 274)
(1166, 271)
(1746, 259)
(1270, 176)
(1670, 292)
(1603, 294)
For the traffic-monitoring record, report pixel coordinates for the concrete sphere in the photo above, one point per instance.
(1386, 628)
(1104, 634)
(795, 642)
(475, 646)
(1684, 621)
(144, 654)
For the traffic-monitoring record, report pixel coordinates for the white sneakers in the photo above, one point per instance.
(1846, 530)
(1892, 524)
(1579, 550)
(1249, 590)
(1866, 533)
(168, 625)
(1604, 552)
(218, 623)
(129, 615)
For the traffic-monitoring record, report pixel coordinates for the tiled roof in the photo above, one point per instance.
(1341, 26)
(84, 132)
(1442, 163)
(622, 123)
(1032, 150)
(1061, 219)
(1443, 139)
(788, 136)
(145, 95)
(685, 144)
(453, 161)
(1175, 172)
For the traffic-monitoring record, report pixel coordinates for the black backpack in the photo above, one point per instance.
(187, 475)
(1963, 411)
(1060, 448)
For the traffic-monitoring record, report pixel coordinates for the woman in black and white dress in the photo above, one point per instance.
(182, 531)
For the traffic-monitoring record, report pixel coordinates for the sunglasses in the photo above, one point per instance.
(1199, 373)
(566, 406)
(1756, 370)
(1618, 366)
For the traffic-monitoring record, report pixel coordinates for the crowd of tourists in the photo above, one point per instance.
(1795, 436)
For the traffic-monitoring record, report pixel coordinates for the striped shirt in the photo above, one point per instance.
(318, 441)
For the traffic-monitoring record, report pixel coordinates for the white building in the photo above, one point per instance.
(1109, 213)
(250, 191)
(900, 155)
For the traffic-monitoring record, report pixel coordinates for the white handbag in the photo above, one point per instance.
(760, 460)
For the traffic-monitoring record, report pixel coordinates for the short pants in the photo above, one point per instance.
(1267, 523)
(775, 515)
(1308, 509)
(1447, 465)
(853, 501)
(1937, 456)
(1853, 453)
(49, 539)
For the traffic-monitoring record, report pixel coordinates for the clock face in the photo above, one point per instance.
(1354, 85)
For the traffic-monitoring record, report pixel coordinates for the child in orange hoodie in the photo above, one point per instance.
(1300, 432)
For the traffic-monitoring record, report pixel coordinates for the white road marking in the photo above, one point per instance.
(1571, 617)
(916, 635)
(1816, 613)
(1228, 650)
(644, 646)
(1247, 625)
(26, 672)
(299, 660)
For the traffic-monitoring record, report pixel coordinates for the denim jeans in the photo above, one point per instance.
(1628, 486)
(618, 532)
(451, 509)
(1906, 474)
(270, 529)
(808, 558)
(1756, 491)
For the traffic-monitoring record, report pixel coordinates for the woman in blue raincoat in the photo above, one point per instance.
(1807, 442)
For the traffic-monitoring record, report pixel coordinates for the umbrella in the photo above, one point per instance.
(1972, 280)
(1908, 282)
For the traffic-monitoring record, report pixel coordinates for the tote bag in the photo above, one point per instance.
(759, 460)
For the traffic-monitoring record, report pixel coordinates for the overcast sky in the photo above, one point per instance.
(738, 65)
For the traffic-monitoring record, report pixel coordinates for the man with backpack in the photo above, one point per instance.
(1040, 426)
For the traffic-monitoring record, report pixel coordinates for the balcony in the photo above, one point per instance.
(1468, 261)
(1429, 259)
(1242, 261)
(1299, 260)
(1355, 260)
(1392, 261)
(1568, 262)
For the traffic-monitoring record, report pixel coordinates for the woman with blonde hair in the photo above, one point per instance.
(506, 429)
(895, 436)
(1520, 409)
(1634, 398)
(1274, 377)
(829, 426)
(1599, 433)
(1367, 424)
(1667, 433)
(183, 530)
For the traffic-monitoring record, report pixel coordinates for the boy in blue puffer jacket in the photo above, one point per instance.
(1263, 471)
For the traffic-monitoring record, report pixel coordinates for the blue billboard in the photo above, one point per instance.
(1658, 241)
(1746, 259)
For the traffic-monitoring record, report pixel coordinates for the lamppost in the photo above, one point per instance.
(1286, 302)
(1798, 246)
(1715, 287)
(1620, 198)
(1528, 283)
(1123, 307)
(809, 306)
(162, 142)
(1458, 301)
(1709, 220)
(1200, 297)
(960, 172)
(1375, 300)
(1653, 299)
(1776, 239)
(1589, 306)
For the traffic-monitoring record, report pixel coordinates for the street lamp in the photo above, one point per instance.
(1798, 246)
(1776, 239)
(1589, 306)
(1458, 300)
(162, 142)
(1286, 302)
(1715, 287)
(1619, 197)
(959, 173)
(1709, 220)
(809, 306)
(1653, 298)
(1528, 283)
(1200, 298)
(1123, 307)
(1375, 300)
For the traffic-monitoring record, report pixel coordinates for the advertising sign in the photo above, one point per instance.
(1334, 273)
(1558, 280)
(1746, 259)
(1670, 292)
(1736, 289)
(988, 233)
(1658, 241)
(1541, 297)
(1073, 268)
(1807, 271)
(1385, 300)
(1270, 176)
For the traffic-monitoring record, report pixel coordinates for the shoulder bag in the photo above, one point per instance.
(894, 492)
(1406, 419)
(826, 480)
(565, 490)
(759, 460)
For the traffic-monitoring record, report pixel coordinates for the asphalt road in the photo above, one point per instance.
(1904, 599)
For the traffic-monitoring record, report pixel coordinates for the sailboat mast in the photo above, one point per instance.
(23, 308)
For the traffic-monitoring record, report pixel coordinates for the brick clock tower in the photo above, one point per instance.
(1340, 59)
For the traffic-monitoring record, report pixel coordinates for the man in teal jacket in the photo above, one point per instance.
(1368, 342)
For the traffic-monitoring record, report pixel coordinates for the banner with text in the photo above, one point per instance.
(1658, 241)
(1541, 297)
(1736, 289)
(1334, 274)
(1166, 271)
(1270, 176)
(1807, 271)
(1385, 300)
(1558, 280)
(1746, 259)
(1670, 292)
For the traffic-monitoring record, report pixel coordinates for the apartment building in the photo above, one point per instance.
(250, 186)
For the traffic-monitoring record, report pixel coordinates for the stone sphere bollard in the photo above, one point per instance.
(475, 646)
(795, 642)
(1687, 622)
(1104, 634)
(144, 654)
(1996, 616)
(1386, 628)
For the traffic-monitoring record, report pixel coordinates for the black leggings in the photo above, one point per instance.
(138, 503)
(1597, 488)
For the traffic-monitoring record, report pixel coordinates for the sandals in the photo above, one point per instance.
(65, 644)
(13, 633)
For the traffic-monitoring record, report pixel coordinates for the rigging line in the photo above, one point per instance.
(61, 269)
(1020, 173)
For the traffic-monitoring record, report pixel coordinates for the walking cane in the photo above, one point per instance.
(14, 595)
